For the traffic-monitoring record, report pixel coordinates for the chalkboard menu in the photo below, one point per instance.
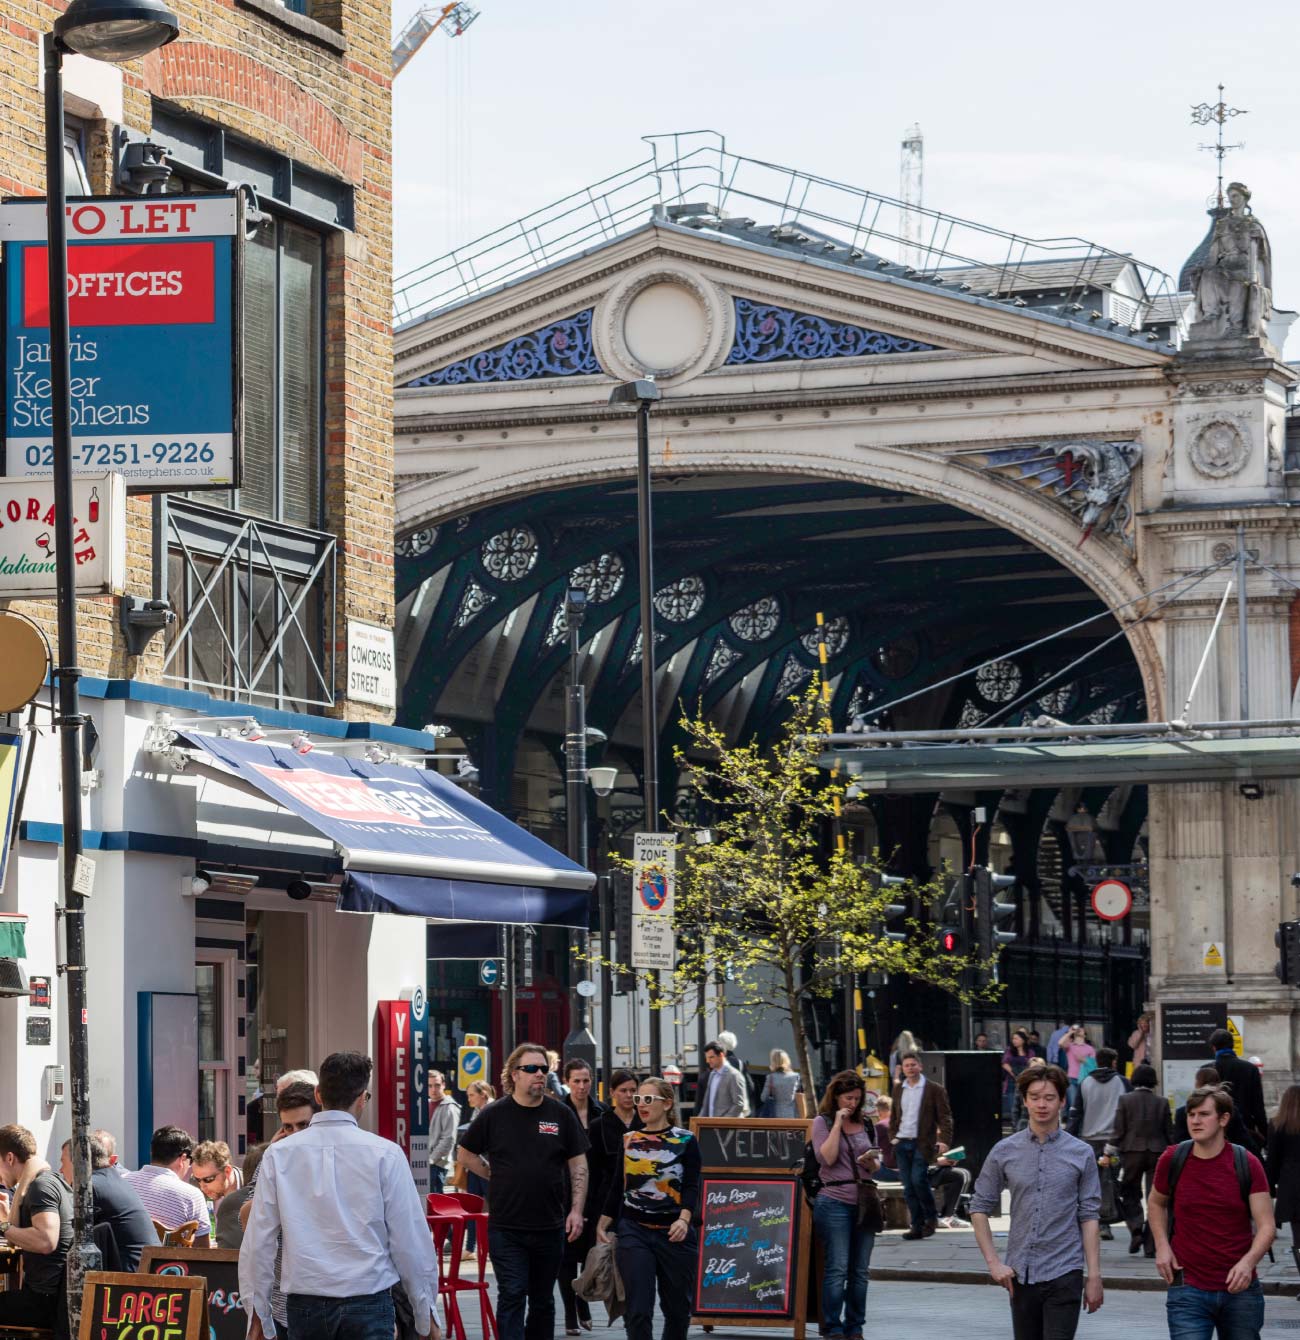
(227, 1319)
(748, 1229)
(119, 1306)
(734, 1143)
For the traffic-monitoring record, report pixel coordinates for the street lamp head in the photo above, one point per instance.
(635, 393)
(115, 30)
(602, 780)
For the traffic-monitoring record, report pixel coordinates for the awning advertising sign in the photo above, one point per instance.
(410, 840)
(27, 536)
(152, 300)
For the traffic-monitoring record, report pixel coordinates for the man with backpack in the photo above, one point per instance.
(1206, 1195)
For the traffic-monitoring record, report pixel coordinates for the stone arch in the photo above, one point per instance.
(1102, 564)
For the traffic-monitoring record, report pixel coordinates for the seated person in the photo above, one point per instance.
(40, 1226)
(888, 1170)
(116, 1204)
(230, 1216)
(950, 1182)
(215, 1175)
(162, 1185)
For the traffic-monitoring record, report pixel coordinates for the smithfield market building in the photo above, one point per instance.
(1013, 478)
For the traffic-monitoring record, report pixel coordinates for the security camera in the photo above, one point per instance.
(200, 883)
(602, 780)
(299, 890)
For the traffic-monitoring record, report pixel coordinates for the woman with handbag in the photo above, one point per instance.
(847, 1213)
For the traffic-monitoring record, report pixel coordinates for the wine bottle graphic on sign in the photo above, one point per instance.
(94, 505)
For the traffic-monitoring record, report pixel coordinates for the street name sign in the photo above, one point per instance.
(372, 662)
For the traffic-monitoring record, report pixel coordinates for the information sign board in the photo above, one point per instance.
(372, 662)
(153, 296)
(27, 567)
(654, 873)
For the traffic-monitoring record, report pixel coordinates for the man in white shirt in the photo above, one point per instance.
(345, 1205)
(920, 1126)
(163, 1185)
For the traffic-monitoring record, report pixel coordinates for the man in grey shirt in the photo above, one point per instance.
(1055, 1205)
(444, 1121)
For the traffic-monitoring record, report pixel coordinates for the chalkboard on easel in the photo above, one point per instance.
(227, 1319)
(753, 1227)
(121, 1306)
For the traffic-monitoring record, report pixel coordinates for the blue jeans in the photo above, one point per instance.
(527, 1266)
(914, 1173)
(847, 1251)
(646, 1258)
(1193, 1314)
(368, 1317)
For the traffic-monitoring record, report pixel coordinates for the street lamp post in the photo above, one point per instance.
(108, 30)
(644, 393)
(580, 1042)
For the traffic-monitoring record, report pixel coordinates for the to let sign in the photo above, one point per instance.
(152, 302)
(27, 536)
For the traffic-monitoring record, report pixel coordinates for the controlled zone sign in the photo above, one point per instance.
(153, 296)
(471, 1064)
(654, 875)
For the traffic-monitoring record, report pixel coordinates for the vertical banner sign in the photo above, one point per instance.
(11, 753)
(654, 873)
(418, 1072)
(402, 1080)
(153, 302)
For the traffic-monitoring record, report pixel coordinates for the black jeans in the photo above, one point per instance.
(1048, 1310)
(646, 1257)
(365, 1317)
(527, 1265)
(26, 1307)
(1139, 1169)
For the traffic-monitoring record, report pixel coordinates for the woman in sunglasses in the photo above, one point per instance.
(653, 1204)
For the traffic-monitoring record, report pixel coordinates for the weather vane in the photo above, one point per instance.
(1218, 112)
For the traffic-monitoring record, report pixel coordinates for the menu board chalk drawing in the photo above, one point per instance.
(747, 1235)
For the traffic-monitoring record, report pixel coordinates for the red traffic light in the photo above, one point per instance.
(948, 942)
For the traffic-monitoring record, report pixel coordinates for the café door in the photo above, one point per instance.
(541, 1014)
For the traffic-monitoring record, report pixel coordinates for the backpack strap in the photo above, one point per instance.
(1241, 1161)
(1181, 1155)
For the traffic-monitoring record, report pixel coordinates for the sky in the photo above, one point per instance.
(1046, 120)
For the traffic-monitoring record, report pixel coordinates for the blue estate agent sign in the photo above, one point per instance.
(152, 299)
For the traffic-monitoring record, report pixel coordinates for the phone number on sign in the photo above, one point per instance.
(128, 453)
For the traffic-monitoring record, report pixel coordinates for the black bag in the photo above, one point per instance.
(810, 1175)
(871, 1213)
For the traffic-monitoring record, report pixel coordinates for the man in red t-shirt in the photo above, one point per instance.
(1210, 1263)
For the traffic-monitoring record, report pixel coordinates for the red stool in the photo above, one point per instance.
(447, 1218)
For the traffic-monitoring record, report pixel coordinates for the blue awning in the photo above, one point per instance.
(409, 840)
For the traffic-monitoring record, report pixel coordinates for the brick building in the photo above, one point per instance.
(214, 948)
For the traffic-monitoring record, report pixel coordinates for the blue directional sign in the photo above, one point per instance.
(489, 972)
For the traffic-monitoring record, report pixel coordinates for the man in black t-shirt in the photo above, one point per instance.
(532, 1150)
(117, 1204)
(40, 1227)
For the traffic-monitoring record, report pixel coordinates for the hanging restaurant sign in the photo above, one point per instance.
(27, 536)
(152, 301)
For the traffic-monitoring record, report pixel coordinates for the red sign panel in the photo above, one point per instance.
(393, 1073)
(126, 284)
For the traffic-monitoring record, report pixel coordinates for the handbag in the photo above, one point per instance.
(871, 1213)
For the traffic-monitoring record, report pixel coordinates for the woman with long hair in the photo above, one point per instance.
(845, 1144)
(780, 1087)
(584, 1105)
(1284, 1160)
(606, 1134)
(1016, 1057)
(653, 1203)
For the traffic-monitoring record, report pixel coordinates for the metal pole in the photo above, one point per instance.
(83, 1255)
(649, 706)
(606, 986)
(1205, 655)
(580, 1042)
(508, 993)
(1243, 641)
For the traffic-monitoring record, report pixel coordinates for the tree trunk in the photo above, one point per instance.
(803, 1058)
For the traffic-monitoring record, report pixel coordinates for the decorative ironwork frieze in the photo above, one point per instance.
(766, 334)
(722, 658)
(834, 633)
(601, 577)
(793, 675)
(511, 555)
(562, 349)
(998, 682)
(472, 603)
(682, 600)
(416, 542)
(756, 622)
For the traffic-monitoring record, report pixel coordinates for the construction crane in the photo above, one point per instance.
(909, 192)
(453, 19)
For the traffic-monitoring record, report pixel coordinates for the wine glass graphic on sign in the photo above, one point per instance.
(43, 541)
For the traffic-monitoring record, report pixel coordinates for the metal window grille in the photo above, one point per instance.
(255, 604)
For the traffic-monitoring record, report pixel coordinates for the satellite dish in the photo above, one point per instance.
(24, 664)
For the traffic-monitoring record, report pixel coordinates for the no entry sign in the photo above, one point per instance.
(1112, 900)
(152, 301)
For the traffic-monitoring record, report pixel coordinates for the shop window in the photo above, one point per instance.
(276, 1011)
(214, 977)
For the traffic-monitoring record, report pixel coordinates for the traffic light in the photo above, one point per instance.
(952, 936)
(1287, 940)
(892, 911)
(989, 912)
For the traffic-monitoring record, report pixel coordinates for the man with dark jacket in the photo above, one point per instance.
(1246, 1087)
(1143, 1131)
(920, 1125)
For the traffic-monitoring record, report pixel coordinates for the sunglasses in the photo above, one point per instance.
(645, 1099)
(533, 1069)
(203, 1181)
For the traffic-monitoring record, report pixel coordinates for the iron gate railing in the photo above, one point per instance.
(255, 606)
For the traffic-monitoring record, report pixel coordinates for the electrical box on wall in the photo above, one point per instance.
(54, 1085)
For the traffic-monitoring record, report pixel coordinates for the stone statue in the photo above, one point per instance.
(1233, 281)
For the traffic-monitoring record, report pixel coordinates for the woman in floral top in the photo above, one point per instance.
(654, 1204)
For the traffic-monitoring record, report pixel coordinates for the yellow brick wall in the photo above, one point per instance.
(331, 111)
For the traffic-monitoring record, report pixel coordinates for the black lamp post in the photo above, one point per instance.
(108, 30)
(643, 393)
